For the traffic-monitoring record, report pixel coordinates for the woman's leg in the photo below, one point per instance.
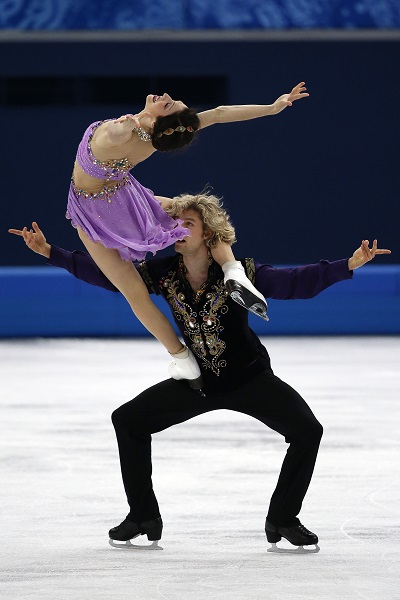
(128, 281)
(126, 278)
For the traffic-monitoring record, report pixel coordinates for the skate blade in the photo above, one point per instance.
(263, 315)
(196, 384)
(256, 308)
(298, 550)
(129, 546)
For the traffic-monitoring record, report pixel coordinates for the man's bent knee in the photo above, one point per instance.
(315, 432)
(116, 418)
(309, 433)
(120, 418)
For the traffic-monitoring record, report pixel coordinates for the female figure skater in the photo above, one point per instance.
(119, 220)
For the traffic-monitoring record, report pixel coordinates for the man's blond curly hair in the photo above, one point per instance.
(215, 218)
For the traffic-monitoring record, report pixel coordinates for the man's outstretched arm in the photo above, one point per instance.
(310, 280)
(80, 264)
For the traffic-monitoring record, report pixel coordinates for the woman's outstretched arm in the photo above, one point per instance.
(245, 112)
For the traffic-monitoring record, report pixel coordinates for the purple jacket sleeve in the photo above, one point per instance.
(81, 265)
(300, 282)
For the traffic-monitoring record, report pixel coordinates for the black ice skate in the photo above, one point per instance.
(128, 530)
(296, 534)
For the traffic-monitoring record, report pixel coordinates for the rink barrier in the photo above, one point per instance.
(49, 302)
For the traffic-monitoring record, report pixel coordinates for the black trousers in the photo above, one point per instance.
(265, 397)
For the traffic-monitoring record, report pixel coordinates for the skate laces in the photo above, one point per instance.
(300, 527)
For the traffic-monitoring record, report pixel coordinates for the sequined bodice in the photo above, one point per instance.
(110, 170)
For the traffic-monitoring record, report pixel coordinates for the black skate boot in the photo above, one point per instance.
(296, 534)
(127, 530)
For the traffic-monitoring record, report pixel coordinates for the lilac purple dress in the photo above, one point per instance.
(126, 215)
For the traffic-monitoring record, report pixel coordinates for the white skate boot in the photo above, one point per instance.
(184, 366)
(242, 291)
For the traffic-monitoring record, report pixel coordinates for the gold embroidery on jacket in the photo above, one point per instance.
(145, 275)
(204, 328)
(250, 269)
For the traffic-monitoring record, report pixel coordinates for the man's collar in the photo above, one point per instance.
(182, 266)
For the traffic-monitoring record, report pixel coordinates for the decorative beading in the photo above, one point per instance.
(106, 193)
(179, 129)
(142, 134)
(112, 167)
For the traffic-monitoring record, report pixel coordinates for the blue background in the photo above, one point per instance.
(197, 14)
(309, 183)
(46, 301)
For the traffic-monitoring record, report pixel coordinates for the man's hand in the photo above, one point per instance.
(364, 254)
(34, 239)
(297, 93)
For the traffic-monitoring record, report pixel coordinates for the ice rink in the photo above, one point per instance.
(61, 488)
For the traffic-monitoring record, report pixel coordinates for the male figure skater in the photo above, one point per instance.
(234, 364)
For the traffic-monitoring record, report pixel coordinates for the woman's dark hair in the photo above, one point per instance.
(166, 135)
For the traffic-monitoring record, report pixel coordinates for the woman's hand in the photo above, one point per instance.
(297, 93)
(132, 121)
(364, 254)
(120, 130)
(129, 121)
(34, 239)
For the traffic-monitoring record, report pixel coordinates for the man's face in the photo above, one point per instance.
(197, 240)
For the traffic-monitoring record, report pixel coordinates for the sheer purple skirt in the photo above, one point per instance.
(127, 218)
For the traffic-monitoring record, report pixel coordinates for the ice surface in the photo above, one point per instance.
(61, 489)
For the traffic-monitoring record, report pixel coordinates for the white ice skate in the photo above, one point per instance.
(184, 366)
(242, 291)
